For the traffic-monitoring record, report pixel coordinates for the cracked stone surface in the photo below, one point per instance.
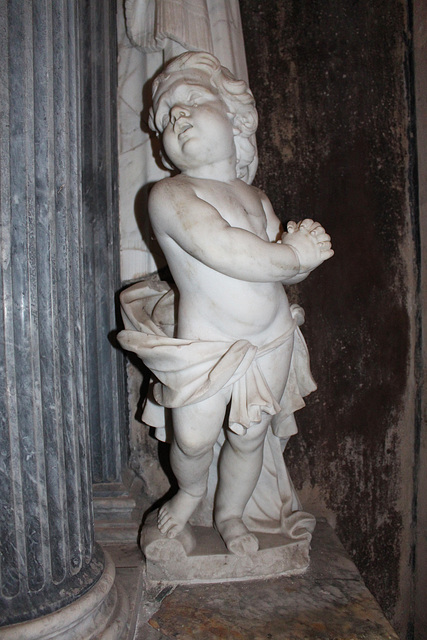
(328, 602)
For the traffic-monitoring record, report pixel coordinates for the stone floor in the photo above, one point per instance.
(328, 602)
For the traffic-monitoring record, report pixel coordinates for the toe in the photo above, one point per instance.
(173, 531)
(164, 524)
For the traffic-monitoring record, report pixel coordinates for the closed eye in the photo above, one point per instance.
(193, 96)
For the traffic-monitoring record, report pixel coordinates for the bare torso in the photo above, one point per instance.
(213, 305)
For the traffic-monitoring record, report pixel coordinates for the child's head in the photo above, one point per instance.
(236, 96)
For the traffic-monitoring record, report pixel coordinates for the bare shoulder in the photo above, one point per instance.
(169, 188)
(255, 194)
(250, 188)
(259, 193)
(256, 191)
(167, 197)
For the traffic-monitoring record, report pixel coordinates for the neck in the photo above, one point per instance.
(223, 171)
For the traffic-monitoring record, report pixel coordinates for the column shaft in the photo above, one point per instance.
(104, 365)
(48, 557)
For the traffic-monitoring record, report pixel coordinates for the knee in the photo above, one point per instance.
(247, 443)
(193, 447)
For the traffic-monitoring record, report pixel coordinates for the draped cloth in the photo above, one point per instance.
(189, 371)
(151, 22)
(174, 26)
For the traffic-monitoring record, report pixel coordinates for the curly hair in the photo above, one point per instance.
(235, 94)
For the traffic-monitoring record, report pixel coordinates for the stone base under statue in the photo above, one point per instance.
(198, 555)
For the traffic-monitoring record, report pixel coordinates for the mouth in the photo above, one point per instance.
(184, 128)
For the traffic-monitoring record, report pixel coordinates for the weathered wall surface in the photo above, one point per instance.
(329, 79)
(420, 62)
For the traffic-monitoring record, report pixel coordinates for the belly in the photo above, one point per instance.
(224, 310)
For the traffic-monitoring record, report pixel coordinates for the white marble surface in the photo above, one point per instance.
(137, 167)
(237, 339)
(138, 163)
(198, 555)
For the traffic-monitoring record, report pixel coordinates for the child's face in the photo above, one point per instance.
(197, 130)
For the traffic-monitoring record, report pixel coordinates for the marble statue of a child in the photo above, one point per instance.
(229, 259)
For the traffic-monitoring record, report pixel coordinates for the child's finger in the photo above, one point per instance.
(317, 229)
(327, 254)
(323, 237)
(308, 224)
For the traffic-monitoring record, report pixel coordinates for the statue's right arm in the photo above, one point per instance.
(178, 215)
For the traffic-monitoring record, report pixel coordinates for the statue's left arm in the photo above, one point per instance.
(274, 227)
(276, 233)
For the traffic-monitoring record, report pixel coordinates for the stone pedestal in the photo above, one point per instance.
(329, 601)
(198, 555)
(53, 578)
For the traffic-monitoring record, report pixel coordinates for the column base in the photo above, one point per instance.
(102, 613)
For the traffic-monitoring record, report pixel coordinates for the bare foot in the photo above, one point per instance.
(238, 539)
(174, 515)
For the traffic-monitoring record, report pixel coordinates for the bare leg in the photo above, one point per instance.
(191, 473)
(241, 462)
(196, 429)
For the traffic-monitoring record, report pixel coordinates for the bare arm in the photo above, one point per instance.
(297, 236)
(274, 227)
(303, 237)
(177, 213)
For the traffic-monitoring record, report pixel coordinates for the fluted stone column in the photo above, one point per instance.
(104, 364)
(49, 563)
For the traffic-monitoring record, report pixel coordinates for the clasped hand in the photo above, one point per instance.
(310, 242)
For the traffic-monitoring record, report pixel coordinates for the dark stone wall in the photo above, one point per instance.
(329, 80)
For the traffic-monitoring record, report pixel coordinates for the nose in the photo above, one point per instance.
(177, 112)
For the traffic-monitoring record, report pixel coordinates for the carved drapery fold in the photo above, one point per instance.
(149, 24)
